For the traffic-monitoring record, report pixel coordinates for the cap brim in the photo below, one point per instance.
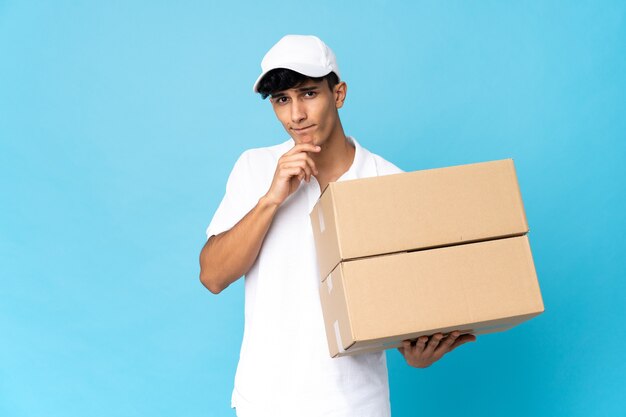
(308, 70)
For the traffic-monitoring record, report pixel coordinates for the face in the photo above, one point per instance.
(308, 112)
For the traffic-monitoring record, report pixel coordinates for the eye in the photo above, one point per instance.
(310, 94)
(281, 100)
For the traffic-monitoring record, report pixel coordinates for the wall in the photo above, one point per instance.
(120, 121)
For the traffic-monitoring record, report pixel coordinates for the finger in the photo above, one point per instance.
(303, 147)
(301, 157)
(446, 345)
(462, 340)
(304, 158)
(311, 163)
(303, 166)
(293, 172)
(310, 167)
(420, 344)
(433, 342)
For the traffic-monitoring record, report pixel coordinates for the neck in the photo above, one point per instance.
(335, 158)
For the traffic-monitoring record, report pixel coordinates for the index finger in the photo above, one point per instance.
(303, 147)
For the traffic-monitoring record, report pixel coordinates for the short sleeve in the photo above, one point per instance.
(238, 200)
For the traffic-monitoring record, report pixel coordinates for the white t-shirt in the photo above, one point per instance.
(284, 366)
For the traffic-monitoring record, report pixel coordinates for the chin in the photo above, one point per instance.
(312, 141)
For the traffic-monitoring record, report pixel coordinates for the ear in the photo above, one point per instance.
(340, 92)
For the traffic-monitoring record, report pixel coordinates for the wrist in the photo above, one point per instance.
(269, 203)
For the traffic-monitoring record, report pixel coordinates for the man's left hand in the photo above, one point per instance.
(426, 351)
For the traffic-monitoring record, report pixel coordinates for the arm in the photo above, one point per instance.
(229, 255)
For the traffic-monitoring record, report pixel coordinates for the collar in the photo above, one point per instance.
(363, 165)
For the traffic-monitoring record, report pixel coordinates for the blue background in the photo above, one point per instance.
(120, 121)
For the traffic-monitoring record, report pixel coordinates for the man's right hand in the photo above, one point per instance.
(229, 255)
(293, 167)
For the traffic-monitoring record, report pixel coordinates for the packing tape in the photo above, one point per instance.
(338, 337)
(320, 215)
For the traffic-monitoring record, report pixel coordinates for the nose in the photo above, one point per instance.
(298, 112)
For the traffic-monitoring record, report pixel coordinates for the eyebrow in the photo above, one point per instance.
(311, 88)
(299, 90)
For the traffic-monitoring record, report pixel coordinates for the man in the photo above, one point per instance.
(262, 230)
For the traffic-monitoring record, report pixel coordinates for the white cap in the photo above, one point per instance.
(307, 55)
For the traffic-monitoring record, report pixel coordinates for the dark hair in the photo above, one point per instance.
(281, 79)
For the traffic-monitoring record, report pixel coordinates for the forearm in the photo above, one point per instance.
(228, 256)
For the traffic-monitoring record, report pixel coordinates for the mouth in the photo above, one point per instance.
(302, 130)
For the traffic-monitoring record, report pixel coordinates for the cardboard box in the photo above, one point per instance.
(375, 303)
(416, 210)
